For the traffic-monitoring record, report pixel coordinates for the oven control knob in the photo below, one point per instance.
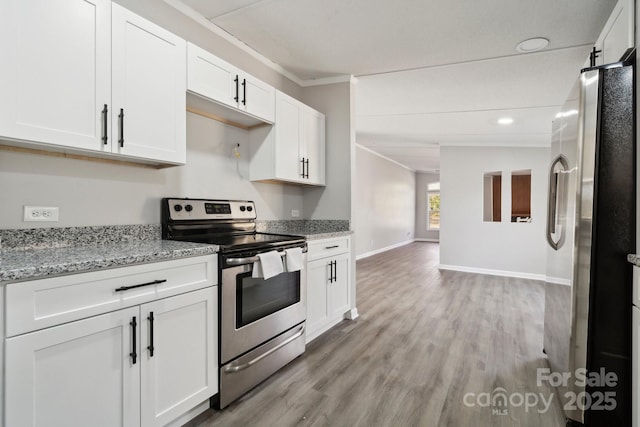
(242, 208)
(249, 208)
(177, 208)
(188, 208)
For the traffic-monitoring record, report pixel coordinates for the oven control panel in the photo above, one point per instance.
(194, 209)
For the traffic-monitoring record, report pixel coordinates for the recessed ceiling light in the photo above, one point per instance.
(505, 121)
(532, 45)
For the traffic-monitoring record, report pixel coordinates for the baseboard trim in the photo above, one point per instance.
(386, 248)
(426, 240)
(504, 273)
(352, 314)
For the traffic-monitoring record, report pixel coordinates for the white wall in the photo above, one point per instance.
(334, 200)
(92, 193)
(385, 203)
(466, 241)
(422, 181)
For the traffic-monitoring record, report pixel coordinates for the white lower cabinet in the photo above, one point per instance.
(328, 293)
(182, 370)
(76, 374)
(147, 364)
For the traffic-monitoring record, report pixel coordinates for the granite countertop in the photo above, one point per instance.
(310, 229)
(38, 253)
(634, 259)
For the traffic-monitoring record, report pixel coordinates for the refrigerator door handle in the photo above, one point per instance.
(556, 203)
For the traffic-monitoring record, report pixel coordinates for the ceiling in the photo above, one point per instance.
(429, 73)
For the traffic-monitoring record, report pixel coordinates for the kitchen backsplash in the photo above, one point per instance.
(59, 237)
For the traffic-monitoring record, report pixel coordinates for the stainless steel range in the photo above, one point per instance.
(261, 321)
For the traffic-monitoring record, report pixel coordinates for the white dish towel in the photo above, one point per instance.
(270, 265)
(293, 260)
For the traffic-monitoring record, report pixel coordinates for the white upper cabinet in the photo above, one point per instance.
(293, 150)
(618, 33)
(70, 67)
(149, 89)
(217, 80)
(55, 77)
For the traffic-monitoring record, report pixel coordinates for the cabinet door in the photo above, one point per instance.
(149, 89)
(339, 289)
(211, 77)
(288, 133)
(318, 311)
(76, 374)
(257, 98)
(56, 71)
(313, 138)
(181, 372)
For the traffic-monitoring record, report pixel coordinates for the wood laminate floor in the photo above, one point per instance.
(425, 340)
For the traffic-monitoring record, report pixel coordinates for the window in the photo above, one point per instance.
(433, 206)
(521, 196)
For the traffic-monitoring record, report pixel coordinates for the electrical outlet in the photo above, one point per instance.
(295, 213)
(41, 213)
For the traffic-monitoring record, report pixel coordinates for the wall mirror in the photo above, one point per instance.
(521, 196)
(492, 209)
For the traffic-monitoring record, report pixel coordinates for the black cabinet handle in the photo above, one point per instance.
(307, 163)
(134, 326)
(105, 137)
(302, 161)
(330, 271)
(121, 126)
(150, 346)
(335, 271)
(237, 97)
(332, 247)
(126, 288)
(244, 90)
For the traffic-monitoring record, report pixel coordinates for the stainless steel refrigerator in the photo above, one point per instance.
(590, 230)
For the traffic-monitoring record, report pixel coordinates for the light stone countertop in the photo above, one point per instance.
(634, 259)
(27, 264)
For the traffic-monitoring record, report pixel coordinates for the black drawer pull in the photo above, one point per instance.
(332, 247)
(126, 288)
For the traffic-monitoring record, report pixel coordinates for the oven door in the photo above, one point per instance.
(254, 310)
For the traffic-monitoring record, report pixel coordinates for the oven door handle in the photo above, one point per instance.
(252, 259)
(234, 369)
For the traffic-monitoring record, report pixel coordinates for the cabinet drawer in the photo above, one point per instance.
(47, 302)
(327, 247)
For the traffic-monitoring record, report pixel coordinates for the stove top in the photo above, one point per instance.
(229, 224)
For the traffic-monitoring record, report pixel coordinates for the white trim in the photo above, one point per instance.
(558, 281)
(420, 239)
(343, 78)
(386, 248)
(352, 314)
(504, 273)
(383, 156)
(197, 17)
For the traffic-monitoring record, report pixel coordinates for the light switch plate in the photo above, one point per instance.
(295, 213)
